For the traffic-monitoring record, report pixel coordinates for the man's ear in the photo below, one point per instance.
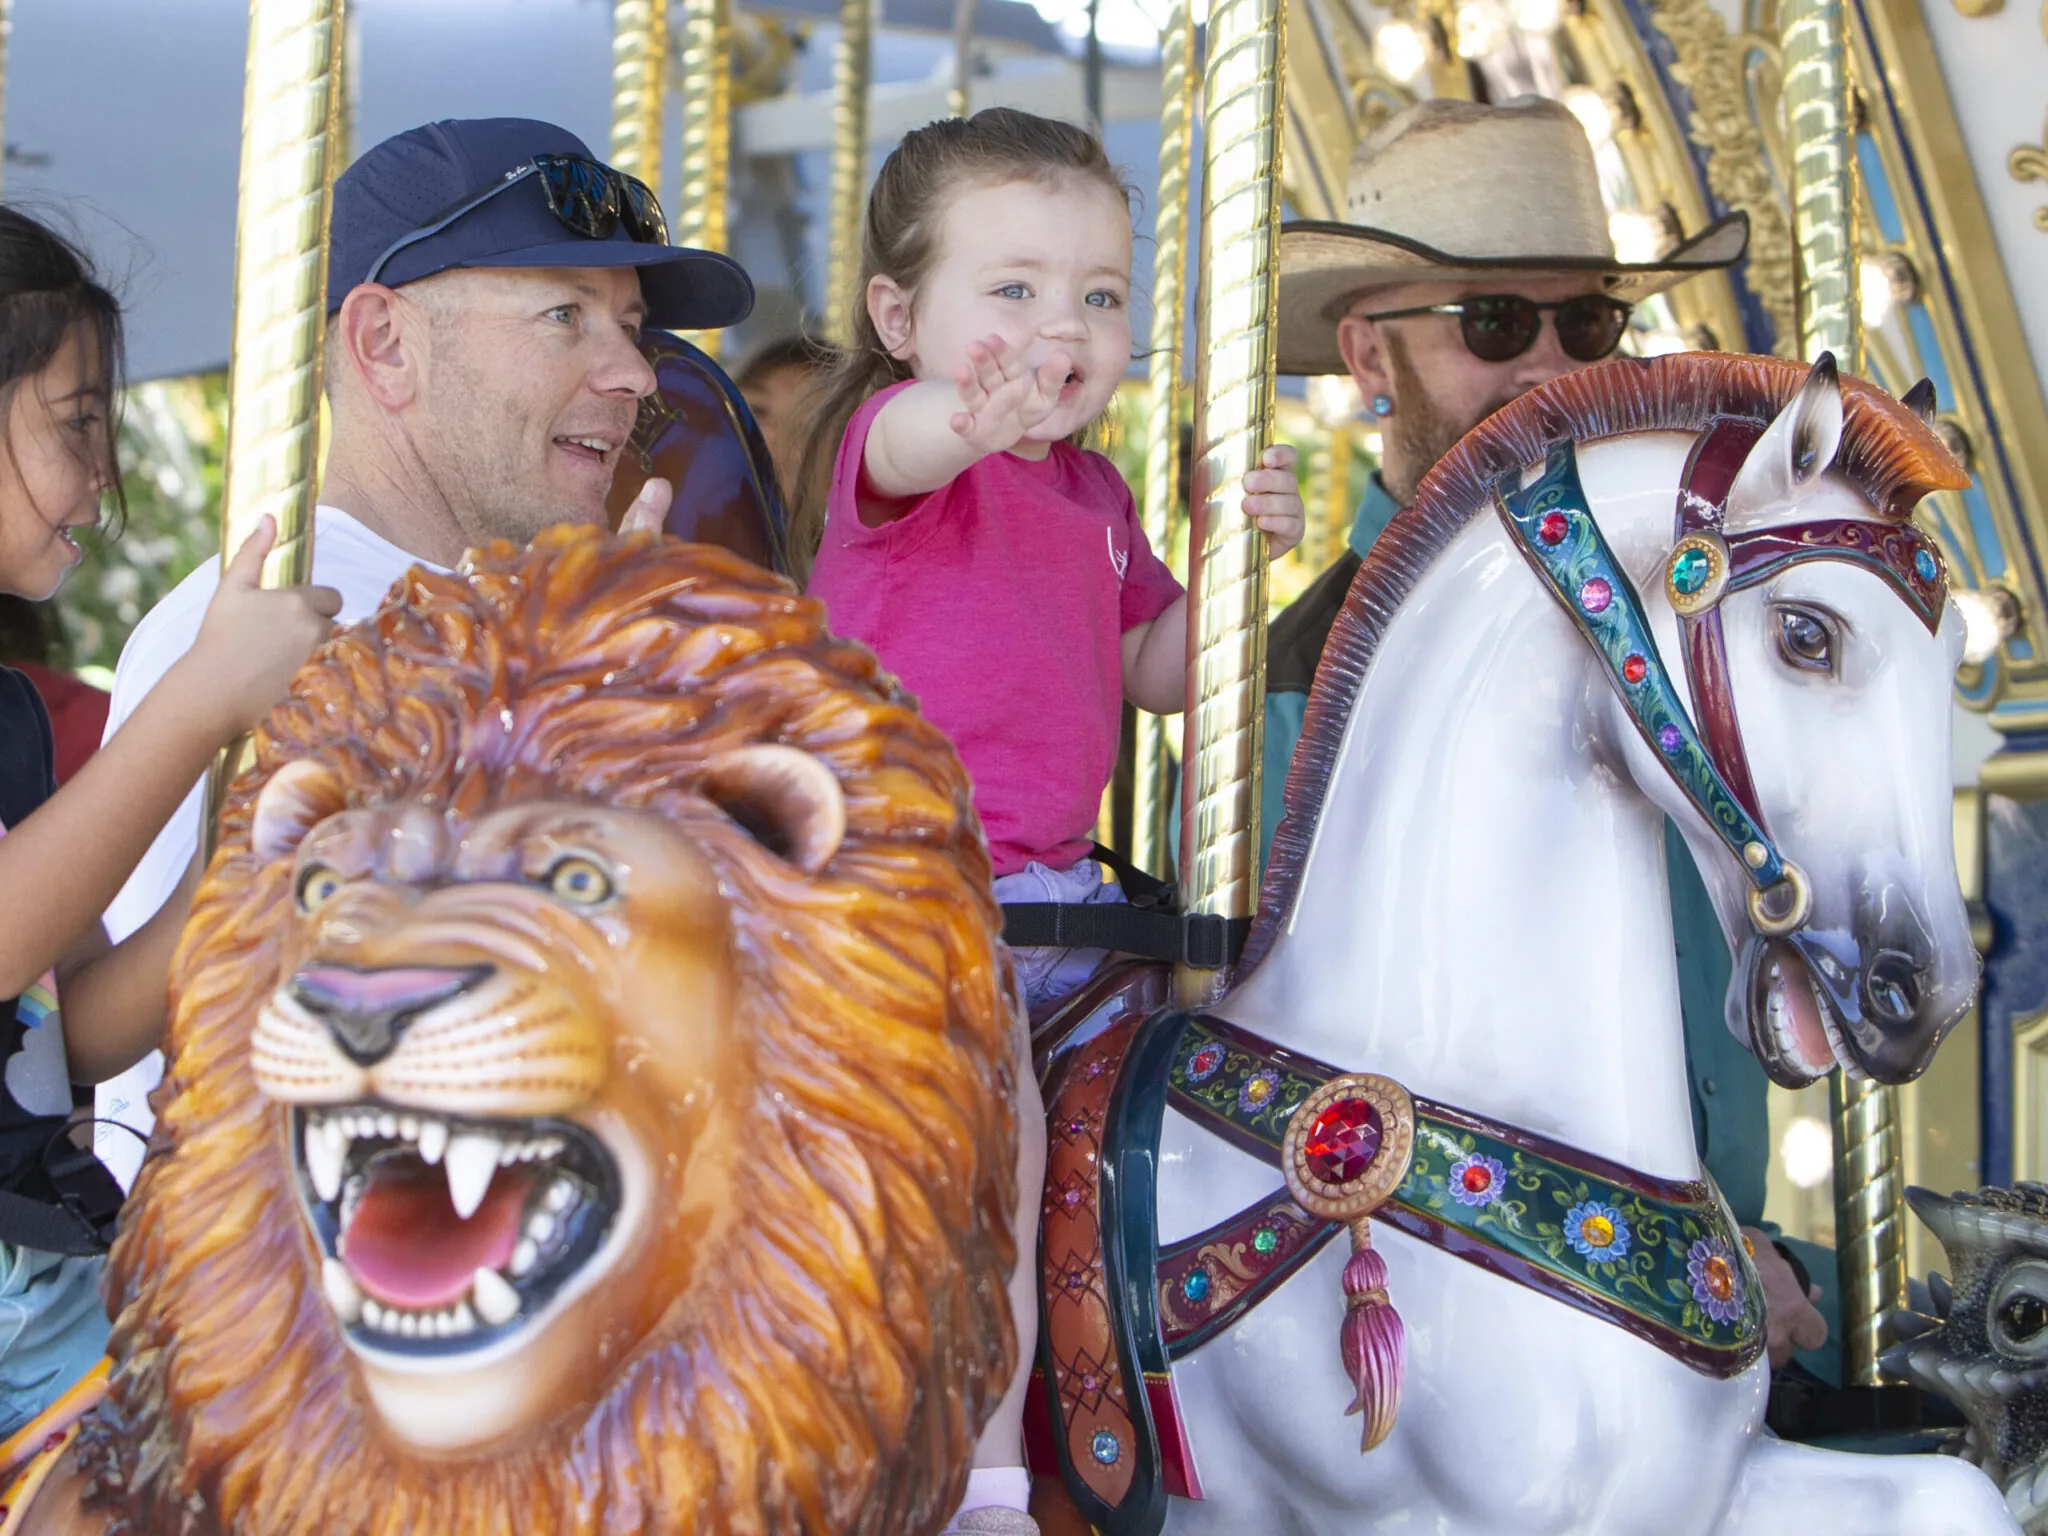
(380, 338)
(889, 308)
(1358, 339)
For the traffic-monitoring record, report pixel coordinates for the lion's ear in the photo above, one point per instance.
(297, 798)
(788, 801)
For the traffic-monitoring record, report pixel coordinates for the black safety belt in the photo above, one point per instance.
(87, 1212)
(1149, 925)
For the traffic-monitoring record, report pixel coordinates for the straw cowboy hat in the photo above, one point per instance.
(1456, 191)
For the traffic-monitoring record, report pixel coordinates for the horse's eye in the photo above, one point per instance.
(1805, 640)
(580, 880)
(318, 885)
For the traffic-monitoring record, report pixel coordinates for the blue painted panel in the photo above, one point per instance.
(2016, 970)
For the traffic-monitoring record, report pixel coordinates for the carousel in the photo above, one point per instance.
(1373, 1201)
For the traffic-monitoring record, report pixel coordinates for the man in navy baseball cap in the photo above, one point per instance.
(487, 283)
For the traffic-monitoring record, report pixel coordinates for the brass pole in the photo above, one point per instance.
(957, 99)
(1224, 731)
(700, 216)
(639, 87)
(850, 70)
(290, 122)
(1151, 836)
(1870, 1211)
(6, 27)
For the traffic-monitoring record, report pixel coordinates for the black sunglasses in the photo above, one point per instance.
(1498, 327)
(589, 198)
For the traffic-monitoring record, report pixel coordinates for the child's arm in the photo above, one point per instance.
(68, 859)
(111, 997)
(1156, 652)
(928, 434)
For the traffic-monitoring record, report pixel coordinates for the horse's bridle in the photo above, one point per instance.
(1551, 523)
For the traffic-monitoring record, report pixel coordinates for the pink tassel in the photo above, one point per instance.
(1375, 1356)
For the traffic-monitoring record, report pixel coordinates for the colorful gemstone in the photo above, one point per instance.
(1595, 594)
(1553, 527)
(1924, 566)
(1203, 1064)
(1343, 1142)
(1690, 569)
(1070, 1198)
(1195, 1285)
(1257, 1092)
(1670, 738)
(1265, 1240)
(1105, 1447)
(1717, 1281)
(1090, 1382)
(1634, 669)
(1476, 1179)
(1597, 1232)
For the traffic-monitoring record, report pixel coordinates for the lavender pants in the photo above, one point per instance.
(1046, 973)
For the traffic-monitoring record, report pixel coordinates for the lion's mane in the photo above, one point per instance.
(830, 1368)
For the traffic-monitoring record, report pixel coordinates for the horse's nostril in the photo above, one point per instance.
(1891, 988)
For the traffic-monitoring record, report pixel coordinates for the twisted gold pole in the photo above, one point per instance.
(1233, 423)
(700, 217)
(1151, 836)
(1870, 1210)
(6, 27)
(639, 86)
(850, 71)
(290, 121)
(1814, 42)
(957, 101)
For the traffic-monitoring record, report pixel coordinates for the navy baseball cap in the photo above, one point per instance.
(416, 177)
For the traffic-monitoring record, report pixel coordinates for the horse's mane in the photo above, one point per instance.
(1889, 454)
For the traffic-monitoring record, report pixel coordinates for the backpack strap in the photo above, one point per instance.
(1148, 924)
(83, 1219)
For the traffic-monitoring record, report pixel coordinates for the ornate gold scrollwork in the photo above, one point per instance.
(2030, 161)
(1722, 73)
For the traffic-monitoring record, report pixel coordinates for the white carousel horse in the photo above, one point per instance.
(1470, 899)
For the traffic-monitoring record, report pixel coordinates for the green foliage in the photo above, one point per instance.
(173, 446)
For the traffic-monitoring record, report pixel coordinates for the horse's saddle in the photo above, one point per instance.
(1660, 1258)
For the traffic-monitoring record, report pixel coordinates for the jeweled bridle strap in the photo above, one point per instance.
(1550, 521)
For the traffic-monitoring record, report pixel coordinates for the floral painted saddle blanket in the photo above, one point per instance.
(1660, 1258)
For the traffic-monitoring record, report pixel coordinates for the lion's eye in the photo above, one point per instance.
(1805, 640)
(580, 880)
(318, 885)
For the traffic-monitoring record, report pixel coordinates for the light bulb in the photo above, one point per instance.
(1808, 1153)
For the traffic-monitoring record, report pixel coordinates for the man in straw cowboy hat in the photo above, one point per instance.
(1476, 264)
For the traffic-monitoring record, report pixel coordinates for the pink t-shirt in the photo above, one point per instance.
(1001, 601)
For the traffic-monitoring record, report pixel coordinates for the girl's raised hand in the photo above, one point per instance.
(1003, 396)
(1272, 499)
(254, 638)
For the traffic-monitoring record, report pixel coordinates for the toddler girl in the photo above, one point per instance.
(64, 853)
(998, 569)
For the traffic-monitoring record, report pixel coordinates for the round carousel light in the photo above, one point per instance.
(1991, 615)
(1401, 50)
(1591, 110)
(1638, 237)
(1480, 29)
(1808, 1153)
(1538, 15)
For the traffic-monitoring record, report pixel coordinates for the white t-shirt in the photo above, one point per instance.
(361, 566)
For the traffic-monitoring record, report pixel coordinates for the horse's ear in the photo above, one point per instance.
(295, 799)
(1920, 401)
(1794, 449)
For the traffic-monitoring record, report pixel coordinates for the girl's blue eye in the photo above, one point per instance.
(1013, 291)
(564, 313)
(1102, 298)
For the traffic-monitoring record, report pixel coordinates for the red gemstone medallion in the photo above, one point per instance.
(1477, 1179)
(1551, 529)
(1343, 1141)
(1635, 669)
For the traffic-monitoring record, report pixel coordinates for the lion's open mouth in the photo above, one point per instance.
(439, 1236)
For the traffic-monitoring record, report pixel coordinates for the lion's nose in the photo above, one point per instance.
(367, 1010)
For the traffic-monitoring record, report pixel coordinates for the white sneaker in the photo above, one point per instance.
(992, 1520)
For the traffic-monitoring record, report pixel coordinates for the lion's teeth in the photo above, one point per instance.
(326, 1153)
(433, 1141)
(340, 1287)
(373, 1314)
(465, 1320)
(409, 1127)
(540, 1226)
(387, 1127)
(496, 1301)
(525, 1256)
(472, 1163)
(559, 1196)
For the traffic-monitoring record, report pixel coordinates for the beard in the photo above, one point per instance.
(1422, 430)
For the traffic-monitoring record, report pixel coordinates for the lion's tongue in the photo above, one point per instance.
(406, 1246)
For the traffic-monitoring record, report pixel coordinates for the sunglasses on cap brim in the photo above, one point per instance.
(588, 198)
(1499, 327)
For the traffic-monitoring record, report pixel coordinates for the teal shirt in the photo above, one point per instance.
(1730, 1121)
